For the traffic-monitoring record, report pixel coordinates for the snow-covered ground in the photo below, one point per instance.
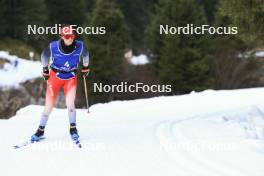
(141, 59)
(260, 54)
(212, 133)
(17, 70)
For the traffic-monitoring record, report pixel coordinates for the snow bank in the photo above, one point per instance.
(211, 133)
(260, 54)
(17, 70)
(139, 60)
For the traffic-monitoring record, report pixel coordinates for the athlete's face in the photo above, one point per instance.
(67, 40)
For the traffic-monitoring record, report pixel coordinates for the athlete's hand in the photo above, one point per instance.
(45, 73)
(85, 71)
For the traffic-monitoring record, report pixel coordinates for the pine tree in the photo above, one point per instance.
(180, 60)
(107, 50)
(209, 8)
(248, 16)
(136, 14)
(2, 17)
(66, 11)
(229, 70)
(21, 13)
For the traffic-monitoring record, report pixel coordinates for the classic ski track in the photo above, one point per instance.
(163, 134)
(220, 166)
(179, 165)
(210, 166)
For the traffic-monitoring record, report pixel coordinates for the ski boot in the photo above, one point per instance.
(74, 132)
(38, 135)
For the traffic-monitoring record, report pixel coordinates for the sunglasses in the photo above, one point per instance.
(70, 36)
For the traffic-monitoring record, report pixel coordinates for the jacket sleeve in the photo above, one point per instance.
(85, 57)
(45, 57)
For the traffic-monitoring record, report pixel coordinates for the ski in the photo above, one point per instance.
(77, 143)
(29, 142)
(24, 144)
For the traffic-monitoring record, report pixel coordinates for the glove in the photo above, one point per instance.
(45, 73)
(85, 71)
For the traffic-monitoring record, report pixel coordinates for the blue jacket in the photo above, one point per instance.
(65, 64)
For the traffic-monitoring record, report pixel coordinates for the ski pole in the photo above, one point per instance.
(86, 92)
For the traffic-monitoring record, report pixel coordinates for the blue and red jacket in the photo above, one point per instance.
(65, 63)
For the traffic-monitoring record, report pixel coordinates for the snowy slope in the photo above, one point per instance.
(212, 133)
(17, 70)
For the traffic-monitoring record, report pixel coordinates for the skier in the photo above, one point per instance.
(60, 61)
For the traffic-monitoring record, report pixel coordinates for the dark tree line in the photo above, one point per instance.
(188, 62)
(208, 61)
